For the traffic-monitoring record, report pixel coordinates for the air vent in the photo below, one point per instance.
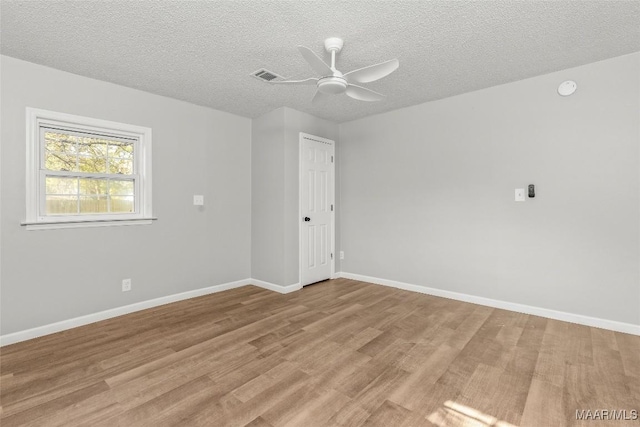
(266, 75)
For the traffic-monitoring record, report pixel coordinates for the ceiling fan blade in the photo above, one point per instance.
(315, 61)
(363, 94)
(310, 82)
(373, 72)
(318, 97)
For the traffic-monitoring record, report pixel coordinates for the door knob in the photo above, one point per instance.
(307, 219)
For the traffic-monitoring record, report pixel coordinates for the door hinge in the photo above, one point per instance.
(331, 208)
(331, 256)
(331, 159)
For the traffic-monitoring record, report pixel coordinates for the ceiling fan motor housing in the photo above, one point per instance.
(332, 85)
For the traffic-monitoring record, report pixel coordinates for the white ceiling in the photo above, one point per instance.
(203, 51)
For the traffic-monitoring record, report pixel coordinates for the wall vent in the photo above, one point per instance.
(266, 75)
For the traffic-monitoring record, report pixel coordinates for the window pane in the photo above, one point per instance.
(95, 187)
(120, 166)
(92, 164)
(56, 205)
(87, 171)
(60, 162)
(122, 204)
(123, 150)
(61, 185)
(93, 147)
(93, 204)
(60, 142)
(121, 188)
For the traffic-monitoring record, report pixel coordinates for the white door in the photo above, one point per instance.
(316, 208)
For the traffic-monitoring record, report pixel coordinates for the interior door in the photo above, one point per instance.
(316, 208)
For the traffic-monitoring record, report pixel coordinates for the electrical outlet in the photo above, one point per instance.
(126, 285)
(341, 254)
(198, 200)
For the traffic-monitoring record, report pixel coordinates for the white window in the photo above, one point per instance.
(86, 172)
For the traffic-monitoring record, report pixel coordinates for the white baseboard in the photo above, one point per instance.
(114, 312)
(276, 288)
(119, 311)
(613, 325)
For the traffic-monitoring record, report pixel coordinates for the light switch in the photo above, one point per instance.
(519, 194)
(198, 200)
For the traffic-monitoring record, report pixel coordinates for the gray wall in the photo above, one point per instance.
(267, 197)
(428, 193)
(54, 275)
(424, 196)
(275, 177)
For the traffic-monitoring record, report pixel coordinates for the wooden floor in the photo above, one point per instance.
(339, 353)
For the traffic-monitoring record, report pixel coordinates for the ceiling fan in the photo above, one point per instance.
(333, 82)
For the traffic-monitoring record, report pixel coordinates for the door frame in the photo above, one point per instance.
(332, 202)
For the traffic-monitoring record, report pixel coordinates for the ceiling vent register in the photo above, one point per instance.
(266, 75)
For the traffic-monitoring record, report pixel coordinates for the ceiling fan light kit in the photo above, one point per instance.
(332, 85)
(333, 82)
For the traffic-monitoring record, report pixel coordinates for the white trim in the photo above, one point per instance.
(276, 288)
(33, 164)
(142, 305)
(114, 312)
(142, 176)
(331, 142)
(119, 311)
(613, 325)
(88, 223)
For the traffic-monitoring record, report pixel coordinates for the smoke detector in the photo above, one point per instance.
(567, 88)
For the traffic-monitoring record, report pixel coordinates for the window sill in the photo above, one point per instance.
(87, 223)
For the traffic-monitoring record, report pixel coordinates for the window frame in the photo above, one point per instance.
(37, 120)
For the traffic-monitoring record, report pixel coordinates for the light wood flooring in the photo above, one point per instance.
(338, 353)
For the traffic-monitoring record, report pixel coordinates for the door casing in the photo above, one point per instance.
(332, 201)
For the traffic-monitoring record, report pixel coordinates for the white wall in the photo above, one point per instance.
(275, 180)
(53, 275)
(428, 193)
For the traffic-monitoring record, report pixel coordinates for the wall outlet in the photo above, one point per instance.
(126, 285)
(198, 200)
(341, 254)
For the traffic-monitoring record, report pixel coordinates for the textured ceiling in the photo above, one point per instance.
(203, 51)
